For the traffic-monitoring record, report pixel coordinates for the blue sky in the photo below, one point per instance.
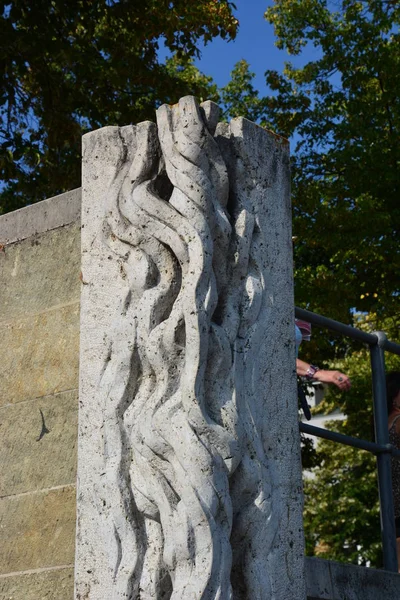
(254, 42)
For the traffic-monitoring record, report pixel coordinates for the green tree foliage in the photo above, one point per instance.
(69, 67)
(343, 108)
(240, 98)
(341, 515)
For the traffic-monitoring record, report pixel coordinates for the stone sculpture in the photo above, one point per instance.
(187, 488)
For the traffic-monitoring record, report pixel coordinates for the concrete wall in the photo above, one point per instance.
(39, 333)
(329, 580)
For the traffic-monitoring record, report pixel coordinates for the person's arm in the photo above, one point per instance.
(339, 379)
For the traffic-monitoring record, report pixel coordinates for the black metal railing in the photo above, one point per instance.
(383, 450)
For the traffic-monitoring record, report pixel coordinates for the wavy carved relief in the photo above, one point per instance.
(185, 473)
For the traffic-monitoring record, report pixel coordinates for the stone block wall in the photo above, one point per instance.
(39, 333)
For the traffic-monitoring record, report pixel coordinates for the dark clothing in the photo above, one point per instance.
(394, 439)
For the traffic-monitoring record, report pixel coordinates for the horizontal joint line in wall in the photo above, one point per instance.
(41, 491)
(33, 571)
(28, 316)
(76, 389)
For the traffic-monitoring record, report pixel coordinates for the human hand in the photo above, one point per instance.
(336, 377)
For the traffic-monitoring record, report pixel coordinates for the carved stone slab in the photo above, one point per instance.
(189, 469)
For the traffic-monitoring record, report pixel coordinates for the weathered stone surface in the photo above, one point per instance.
(48, 585)
(37, 530)
(318, 579)
(39, 329)
(40, 272)
(330, 580)
(189, 469)
(40, 354)
(40, 217)
(38, 443)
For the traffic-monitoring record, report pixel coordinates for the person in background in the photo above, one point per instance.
(311, 372)
(393, 407)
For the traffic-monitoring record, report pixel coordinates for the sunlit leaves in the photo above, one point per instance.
(240, 98)
(344, 109)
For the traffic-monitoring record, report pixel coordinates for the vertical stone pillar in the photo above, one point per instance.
(189, 481)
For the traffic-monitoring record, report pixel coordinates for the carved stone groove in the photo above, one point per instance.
(190, 482)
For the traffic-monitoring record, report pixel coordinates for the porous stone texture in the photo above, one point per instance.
(189, 471)
(329, 580)
(37, 530)
(39, 443)
(39, 218)
(41, 271)
(44, 350)
(42, 585)
(39, 328)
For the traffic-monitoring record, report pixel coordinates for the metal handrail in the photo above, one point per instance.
(383, 450)
(348, 440)
(347, 330)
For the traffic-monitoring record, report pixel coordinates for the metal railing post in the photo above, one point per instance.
(388, 530)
